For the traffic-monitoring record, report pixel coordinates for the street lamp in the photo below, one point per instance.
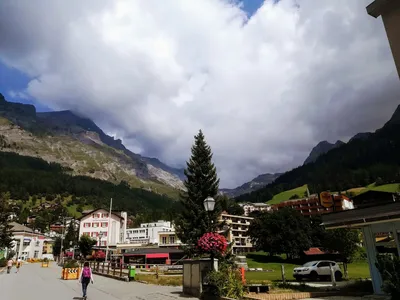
(209, 204)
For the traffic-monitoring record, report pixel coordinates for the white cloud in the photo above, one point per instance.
(264, 90)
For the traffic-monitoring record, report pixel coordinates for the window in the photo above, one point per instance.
(105, 215)
(323, 264)
(86, 233)
(104, 224)
(37, 244)
(104, 243)
(95, 225)
(86, 225)
(172, 239)
(163, 240)
(95, 234)
(36, 254)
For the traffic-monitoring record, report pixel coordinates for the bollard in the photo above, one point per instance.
(332, 276)
(242, 273)
(283, 274)
(108, 268)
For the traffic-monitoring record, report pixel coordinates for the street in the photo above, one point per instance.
(34, 282)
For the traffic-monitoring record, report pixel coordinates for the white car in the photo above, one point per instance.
(314, 270)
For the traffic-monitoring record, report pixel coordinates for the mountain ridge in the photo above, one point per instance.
(359, 162)
(76, 141)
(252, 185)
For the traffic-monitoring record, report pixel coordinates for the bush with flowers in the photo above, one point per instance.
(213, 243)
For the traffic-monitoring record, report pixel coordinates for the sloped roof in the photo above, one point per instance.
(16, 227)
(94, 210)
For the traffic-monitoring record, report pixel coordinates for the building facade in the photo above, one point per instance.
(103, 227)
(169, 239)
(29, 244)
(251, 207)
(312, 206)
(149, 233)
(237, 227)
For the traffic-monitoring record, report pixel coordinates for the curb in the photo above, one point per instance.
(302, 295)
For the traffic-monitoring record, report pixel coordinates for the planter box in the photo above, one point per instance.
(70, 273)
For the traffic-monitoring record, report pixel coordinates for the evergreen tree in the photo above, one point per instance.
(71, 237)
(6, 237)
(201, 182)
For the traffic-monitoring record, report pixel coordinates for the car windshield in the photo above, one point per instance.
(310, 264)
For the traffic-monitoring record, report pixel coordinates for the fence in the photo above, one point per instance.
(121, 270)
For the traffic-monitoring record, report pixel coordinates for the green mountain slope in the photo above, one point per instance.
(24, 177)
(357, 163)
(77, 142)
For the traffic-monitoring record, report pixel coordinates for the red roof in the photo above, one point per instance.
(314, 251)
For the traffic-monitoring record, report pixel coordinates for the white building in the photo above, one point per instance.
(237, 232)
(103, 227)
(30, 244)
(250, 207)
(148, 233)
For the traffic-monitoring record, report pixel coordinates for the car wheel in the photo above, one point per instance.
(338, 276)
(313, 276)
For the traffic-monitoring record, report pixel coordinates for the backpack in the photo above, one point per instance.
(86, 273)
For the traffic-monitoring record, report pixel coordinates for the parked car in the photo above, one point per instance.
(315, 270)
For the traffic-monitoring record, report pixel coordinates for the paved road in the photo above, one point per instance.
(34, 282)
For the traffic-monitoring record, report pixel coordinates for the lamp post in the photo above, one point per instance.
(209, 205)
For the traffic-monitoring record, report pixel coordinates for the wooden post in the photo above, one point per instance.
(108, 268)
(102, 271)
(120, 269)
(332, 276)
(114, 267)
(283, 274)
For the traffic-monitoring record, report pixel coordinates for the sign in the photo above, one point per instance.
(326, 199)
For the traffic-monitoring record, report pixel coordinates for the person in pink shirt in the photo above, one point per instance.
(9, 265)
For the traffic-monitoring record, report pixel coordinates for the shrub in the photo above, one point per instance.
(71, 264)
(389, 267)
(226, 282)
(3, 262)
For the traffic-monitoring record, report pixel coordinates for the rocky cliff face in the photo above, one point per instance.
(77, 142)
(322, 148)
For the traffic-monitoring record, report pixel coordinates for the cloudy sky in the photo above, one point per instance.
(265, 81)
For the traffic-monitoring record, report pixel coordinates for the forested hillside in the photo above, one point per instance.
(24, 177)
(357, 163)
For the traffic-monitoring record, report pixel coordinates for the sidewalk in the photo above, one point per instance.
(45, 284)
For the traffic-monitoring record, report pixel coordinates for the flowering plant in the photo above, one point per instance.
(212, 243)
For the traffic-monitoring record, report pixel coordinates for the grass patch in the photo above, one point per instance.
(161, 280)
(356, 270)
(286, 195)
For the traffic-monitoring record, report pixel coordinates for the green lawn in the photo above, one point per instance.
(356, 270)
(286, 195)
(392, 187)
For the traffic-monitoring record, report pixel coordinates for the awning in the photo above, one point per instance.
(157, 255)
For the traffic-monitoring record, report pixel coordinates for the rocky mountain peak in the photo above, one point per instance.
(321, 148)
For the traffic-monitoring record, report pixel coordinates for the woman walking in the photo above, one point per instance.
(85, 278)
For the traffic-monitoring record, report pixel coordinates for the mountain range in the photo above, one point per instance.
(71, 140)
(257, 183)
(366, 158)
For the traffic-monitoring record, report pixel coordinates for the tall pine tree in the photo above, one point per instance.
(6, 237)
(201, 182)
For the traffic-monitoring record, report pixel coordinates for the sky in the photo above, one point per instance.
(265, 81)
